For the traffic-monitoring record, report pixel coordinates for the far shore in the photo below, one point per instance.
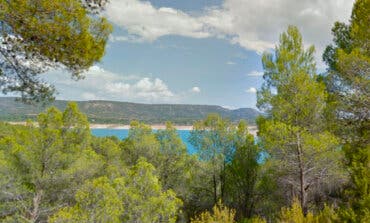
(120, 126)
(252, 129)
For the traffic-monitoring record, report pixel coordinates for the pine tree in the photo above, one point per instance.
(293, 132)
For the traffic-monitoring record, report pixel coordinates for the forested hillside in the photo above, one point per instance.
(310, 161)
(59, 172)
(124, 112)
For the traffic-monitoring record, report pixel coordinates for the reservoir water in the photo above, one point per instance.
(184, 135)
(123, 133)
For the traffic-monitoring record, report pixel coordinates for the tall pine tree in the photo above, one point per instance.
(293, 132)
(348, 81)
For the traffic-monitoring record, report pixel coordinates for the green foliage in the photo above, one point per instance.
(270, 195)
(242, 176)
(214, 140)
(143, 198)
(220, 214)
(360, 26)
(56, 171)
(136, 197)
(177, 170)
(43, 163)
(38, 35)
(291, 73)
(255, 219)
(294, 214)
(290, 58)
(294, 133)
(111, 154)
(96, 201)
(141, 142)
(348, 82)
(176, 167)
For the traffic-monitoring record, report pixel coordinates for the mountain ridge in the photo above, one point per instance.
(105, 111)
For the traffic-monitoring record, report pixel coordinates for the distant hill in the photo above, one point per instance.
(123, 112)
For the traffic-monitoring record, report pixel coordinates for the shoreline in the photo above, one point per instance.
(251, 129)
(120, 126)
(155, 127)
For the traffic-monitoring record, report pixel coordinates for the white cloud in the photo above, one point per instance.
(195, 90)
(230, 63)
(126, 38)
(149, 23)
(254, 25)
(100, 84)
(251, 90)
(255, 73)
(118, 38)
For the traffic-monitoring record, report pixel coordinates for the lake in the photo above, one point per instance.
(123, 133)
(184, 135)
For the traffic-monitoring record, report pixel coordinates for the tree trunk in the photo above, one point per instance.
(215, 188)
(36, 206)
(223, 181)
(301, 175)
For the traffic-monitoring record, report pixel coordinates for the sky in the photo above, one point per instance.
(196, 51)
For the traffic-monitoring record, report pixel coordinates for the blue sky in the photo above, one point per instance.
(196, 51)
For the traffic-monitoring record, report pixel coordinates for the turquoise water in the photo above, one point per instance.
(123, 133)
(184, 135)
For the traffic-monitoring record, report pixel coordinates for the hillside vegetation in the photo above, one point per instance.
(309, 164)
(124, 112)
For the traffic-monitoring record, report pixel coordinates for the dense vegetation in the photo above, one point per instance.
(39, 35)
(310, 162)
(112, 112)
